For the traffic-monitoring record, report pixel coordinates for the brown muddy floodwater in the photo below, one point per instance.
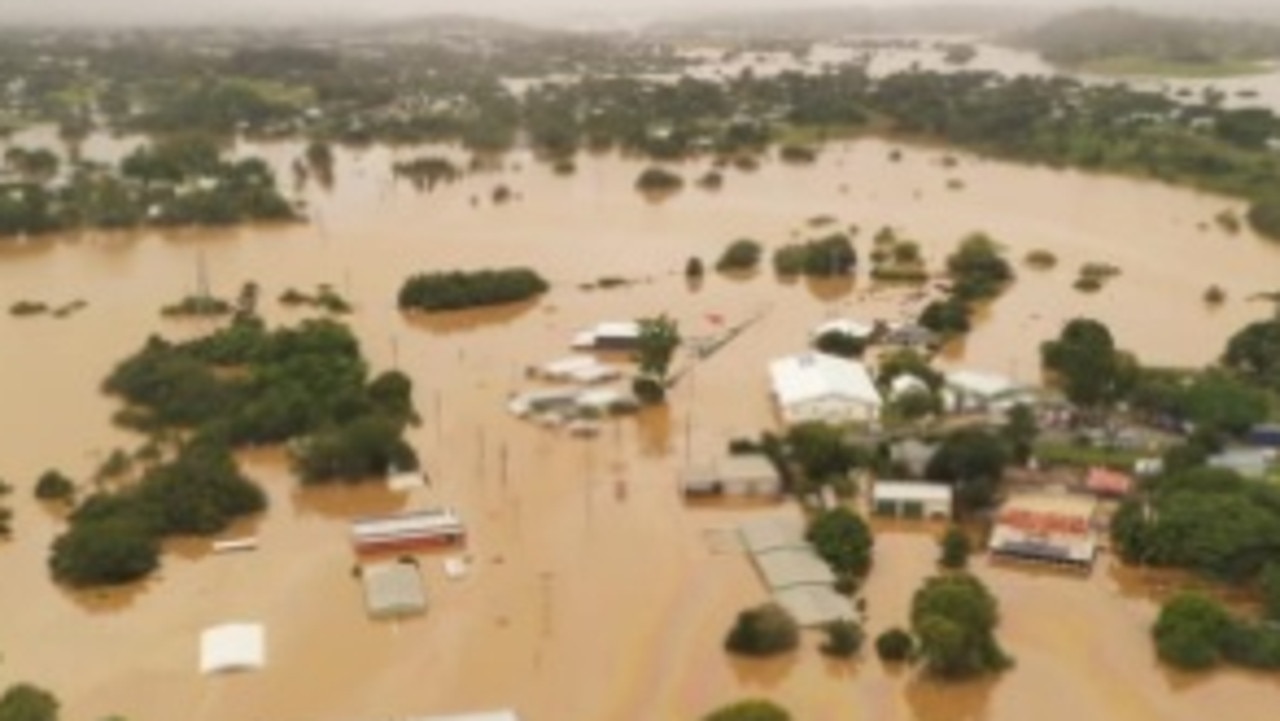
(595, 594)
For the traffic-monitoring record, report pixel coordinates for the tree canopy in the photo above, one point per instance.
(766, 630)
(24, 702)
(1085, 361)
(843, 539)
(972, 460)
(462, 289)
(955, 617)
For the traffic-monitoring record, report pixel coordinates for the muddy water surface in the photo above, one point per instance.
(595, 594)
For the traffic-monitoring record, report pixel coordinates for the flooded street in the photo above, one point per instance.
(595, 592)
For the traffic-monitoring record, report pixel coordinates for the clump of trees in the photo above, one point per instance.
(656, 180)
(955, 617)
(1264, 216)
(1254, 354)
(830, 256)
(766, 630)
(741, 255)
(896, 260)
(307, 384)
(114, 537)
(325, 298)
(978, 273)
(1041, 259)
(972, 460)
(456, 290)
(1206, 519)
(1195, 632)
(427, 172)
(838, 343)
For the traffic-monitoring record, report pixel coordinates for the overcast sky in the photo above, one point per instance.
(188, 11)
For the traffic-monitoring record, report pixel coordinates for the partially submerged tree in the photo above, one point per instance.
(766, 630)
(955, 617)
(749, 710)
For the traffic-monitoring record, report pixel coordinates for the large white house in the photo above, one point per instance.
(821, 387)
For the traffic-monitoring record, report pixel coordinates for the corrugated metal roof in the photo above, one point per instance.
(814, 605)
(393, 589)
(762, 535)
(789, 567)
(814, 376)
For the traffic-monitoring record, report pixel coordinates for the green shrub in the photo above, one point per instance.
(741, 255)
(844, 639)
(54, 486)
(895, 645)
(766, 630)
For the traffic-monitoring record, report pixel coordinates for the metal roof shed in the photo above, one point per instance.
(774, 532)
(788, 568)
(393, 590)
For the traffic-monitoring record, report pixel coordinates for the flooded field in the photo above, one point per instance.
(595, 593)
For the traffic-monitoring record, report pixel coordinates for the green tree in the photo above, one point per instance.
(766, 630)
(659, 338)
(1254, 353)
(24, 702)
(977, 269)
(1189, 631)
(843, 540)
(749, 710)
(821, 450)
(955, 548)
(54, 486)
(104, 553)
(972, 460)
(1085, 361)
(895, 645)
(955, 618)
(1020, 431)
(741, 255)
(844, 639)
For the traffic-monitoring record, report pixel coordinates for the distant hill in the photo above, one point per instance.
(1113, 39)
(829, 22)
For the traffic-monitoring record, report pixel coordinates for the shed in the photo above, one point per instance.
(232, 647)
(821, 387)
(912, 499)
(814, 606)
(408, 531)
(971, 391)
(790, 567)
(393, 590)
(762, 535)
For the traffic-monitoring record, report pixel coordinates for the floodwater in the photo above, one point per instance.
(595, 592)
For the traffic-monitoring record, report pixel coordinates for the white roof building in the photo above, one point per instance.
(232, 647)
(912, 499)
(613, 334)
(771, 533)
(814, 606)
(821, 387)
(789, 567)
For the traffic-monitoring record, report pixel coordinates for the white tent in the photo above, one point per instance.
(232, 647)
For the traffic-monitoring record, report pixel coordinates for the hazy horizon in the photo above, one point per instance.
(283, 12)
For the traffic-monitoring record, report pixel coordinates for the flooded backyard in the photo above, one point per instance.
(595, 593)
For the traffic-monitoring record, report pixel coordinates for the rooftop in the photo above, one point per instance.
(911, 491)
(815, 376)
(981, 383)
(393, 589)
(814, 605)
(762, 535)
(790, 567)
